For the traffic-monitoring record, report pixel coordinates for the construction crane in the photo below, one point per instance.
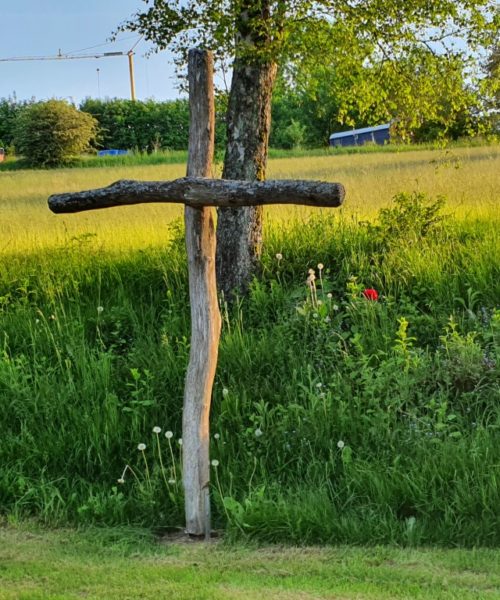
(61, 56)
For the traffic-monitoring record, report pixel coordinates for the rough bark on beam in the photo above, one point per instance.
(199, 191)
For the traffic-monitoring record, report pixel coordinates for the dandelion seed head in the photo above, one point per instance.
(225, 392)
(100, 309)
(258, 432)
(340, 444)
(141, 447)
(179, 441)
(335, 307)
(321, 266)
(169, 435)
(121, 480)
(311, 272)
(156, 429)
(171, 481)
(329, 295)
(216, 436)
(215, 463)
(279, 256)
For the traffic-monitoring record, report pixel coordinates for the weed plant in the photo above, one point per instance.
(339, 415)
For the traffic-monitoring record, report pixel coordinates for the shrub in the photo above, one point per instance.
(49, 133)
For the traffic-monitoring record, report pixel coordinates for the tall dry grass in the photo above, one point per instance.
(469, 178)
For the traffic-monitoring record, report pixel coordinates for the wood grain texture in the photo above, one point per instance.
(205, 315)
(198, 191)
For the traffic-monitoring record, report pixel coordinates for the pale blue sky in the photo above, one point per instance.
(42, 27)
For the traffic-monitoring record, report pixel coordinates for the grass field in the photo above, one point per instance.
(336, 419)
(120, 564)
(468, 177)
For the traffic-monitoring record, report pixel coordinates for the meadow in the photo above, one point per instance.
(336, 418)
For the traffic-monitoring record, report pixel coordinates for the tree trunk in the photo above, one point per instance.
(239, 230)
(205, 316)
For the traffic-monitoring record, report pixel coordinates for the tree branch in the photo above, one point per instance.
(195, 191)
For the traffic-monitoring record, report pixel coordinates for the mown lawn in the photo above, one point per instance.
(114, 563)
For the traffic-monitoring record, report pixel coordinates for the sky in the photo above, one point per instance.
(43, 27)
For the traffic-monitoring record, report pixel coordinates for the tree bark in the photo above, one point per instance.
(205, 316)
(239, 231)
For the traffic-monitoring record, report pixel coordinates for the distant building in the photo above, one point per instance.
(358, 137)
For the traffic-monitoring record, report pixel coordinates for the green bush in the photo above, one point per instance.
(50, 133)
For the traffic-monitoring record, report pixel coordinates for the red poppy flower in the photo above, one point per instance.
(370, 294)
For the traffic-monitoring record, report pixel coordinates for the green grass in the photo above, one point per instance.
(409, 383)
(95, 563)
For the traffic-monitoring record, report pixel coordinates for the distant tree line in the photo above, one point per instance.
(146, 126)
(314, 97)
(143, 126)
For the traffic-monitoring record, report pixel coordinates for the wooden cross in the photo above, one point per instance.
(200, 194)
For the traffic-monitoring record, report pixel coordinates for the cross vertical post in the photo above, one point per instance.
(205, 315)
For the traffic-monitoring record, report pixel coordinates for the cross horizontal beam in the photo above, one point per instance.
(199, 191)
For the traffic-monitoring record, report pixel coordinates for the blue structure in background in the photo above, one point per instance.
(358, 137)
(112, 152)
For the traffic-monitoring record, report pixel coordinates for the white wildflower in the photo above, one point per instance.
(279, 256)
(121, 480)
(329, 295)
(216, 436)
(141, 447)
(321, 266)
(225, 392)
(340, 444)
(335, 307)
(215, 463)
(156, 429)
(179, 441)
(100, 309)
(258, 432)
(169, 435)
